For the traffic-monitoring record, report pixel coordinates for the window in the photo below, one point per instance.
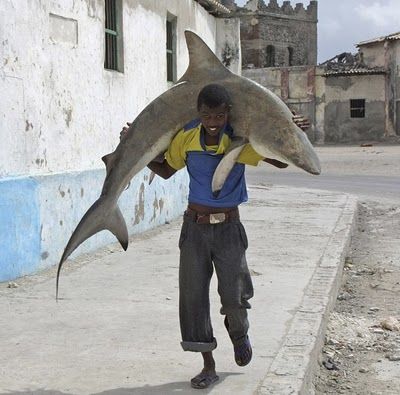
(290, 53)
(357, 108)
(171, 48)
(113, 35)
(270, 56)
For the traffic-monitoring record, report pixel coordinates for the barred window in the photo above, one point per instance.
(270, 56)
(290, 54)
(357, 108)
(113, 35)
(171, 48)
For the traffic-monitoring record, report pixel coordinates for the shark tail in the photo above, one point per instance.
(93, 222)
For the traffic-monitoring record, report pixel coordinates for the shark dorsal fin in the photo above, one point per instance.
(203, 63)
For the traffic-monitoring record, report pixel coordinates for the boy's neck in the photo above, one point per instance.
(211, 140)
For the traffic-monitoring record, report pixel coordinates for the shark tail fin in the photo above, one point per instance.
(94, 221)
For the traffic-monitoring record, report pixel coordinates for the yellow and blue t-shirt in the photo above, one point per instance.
(188, 149)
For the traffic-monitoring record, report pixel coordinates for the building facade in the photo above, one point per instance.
(359, 98)
(72, 73)
(274, 35)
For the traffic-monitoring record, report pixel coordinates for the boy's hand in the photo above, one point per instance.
(124, 130)
(276, 163)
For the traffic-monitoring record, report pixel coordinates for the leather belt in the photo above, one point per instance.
(212, 218)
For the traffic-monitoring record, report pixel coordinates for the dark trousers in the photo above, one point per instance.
(201, 246)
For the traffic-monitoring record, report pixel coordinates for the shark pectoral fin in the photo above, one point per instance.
(227, 162)
(151, 177)
(117, 226)
(108, 159)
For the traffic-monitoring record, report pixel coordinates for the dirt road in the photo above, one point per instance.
(361, 354)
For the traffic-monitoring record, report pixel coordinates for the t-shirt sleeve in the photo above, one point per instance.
(249, 156)
(176, 155)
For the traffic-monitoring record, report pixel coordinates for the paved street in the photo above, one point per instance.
(116, 329)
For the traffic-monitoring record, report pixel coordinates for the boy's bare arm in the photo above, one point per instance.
(162, 169)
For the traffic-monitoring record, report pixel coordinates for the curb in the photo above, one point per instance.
(293, 368)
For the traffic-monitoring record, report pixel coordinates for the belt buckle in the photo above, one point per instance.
(217, 218)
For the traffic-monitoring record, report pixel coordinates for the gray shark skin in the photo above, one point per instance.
(258, 117)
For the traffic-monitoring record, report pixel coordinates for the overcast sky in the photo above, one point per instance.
(344, 23)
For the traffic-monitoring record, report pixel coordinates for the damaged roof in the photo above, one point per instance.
(346, 63)
(214, 7)
(390, 37)
(355, 71)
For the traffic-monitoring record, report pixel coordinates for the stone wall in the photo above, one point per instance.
(294, 85)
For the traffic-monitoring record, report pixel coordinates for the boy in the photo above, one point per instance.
(212, 233)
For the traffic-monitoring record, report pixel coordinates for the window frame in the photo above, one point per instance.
(270, 54)
(357, 108)
(170, 46)
(113, 38)
(290, 56)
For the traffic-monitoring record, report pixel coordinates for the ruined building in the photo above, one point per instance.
(276, 36)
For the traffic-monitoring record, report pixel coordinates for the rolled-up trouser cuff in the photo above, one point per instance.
(199, 346)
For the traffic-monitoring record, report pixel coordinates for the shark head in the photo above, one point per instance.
(274, 134)
(258, 115)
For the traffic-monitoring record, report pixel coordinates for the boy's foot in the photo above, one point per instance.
(243, 352)
(204, 379)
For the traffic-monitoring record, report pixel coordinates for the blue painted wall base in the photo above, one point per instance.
(39, 214)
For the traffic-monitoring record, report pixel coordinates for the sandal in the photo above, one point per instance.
(203, 380)
(243, 352)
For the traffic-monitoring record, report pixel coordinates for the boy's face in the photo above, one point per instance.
(213, 119)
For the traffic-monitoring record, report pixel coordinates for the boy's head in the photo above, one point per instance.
(212, 96)
(213, 104)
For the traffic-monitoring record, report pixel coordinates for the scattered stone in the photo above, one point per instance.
(11, 284)
(344, 296)
(332, 342)
(391, 324)
(393, 357)
(363, 370)
(168, 298)
(330, 364)
(374, 308)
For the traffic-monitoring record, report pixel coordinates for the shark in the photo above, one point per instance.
(259, 117)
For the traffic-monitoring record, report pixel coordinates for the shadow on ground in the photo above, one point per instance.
(181, 387)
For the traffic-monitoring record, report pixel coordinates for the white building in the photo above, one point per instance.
(72, 73)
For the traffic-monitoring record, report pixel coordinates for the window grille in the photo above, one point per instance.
(170, 46)
(113, 36)
(290, 52)
(357, 108)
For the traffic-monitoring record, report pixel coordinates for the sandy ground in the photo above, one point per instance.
(361, 354)
(379, 160)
